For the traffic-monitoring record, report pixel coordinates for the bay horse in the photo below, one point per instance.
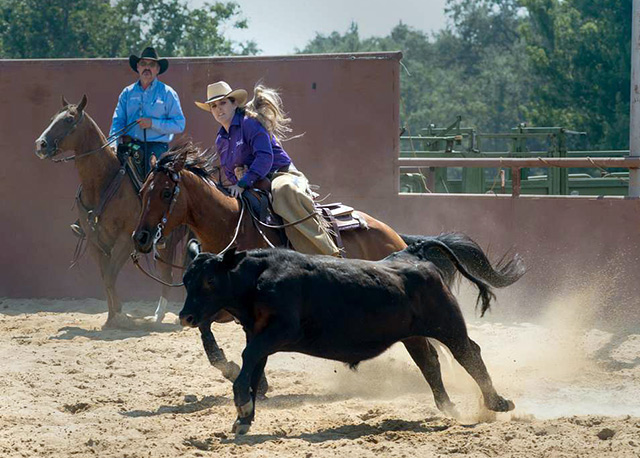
(72, 129)
(181, 190)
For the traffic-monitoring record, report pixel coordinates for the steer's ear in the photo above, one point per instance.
(231, 258)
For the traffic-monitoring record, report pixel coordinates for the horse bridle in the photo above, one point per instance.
(73, 126)
(175, 177)
(110, 139)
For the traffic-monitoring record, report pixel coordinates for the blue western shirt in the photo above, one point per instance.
(158, 102)
(249, 144)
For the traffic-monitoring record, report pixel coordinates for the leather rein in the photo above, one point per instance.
(135, 256)
(110, 139)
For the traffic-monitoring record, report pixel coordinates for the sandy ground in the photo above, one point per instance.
(68, 388)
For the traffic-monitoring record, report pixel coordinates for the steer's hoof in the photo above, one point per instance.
(230, 371)
(500, 404)
(240, 428)
(245, 410)
(449, 409)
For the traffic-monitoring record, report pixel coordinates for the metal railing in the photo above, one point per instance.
(452, 160)
(517, 164)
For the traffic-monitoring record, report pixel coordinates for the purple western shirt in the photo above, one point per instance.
(248, 143)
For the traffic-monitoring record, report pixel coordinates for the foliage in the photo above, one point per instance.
(104, 28)
(581, 50)
(502, 62)
(473, 68)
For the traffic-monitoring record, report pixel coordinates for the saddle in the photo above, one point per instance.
(338, 216)
(131, 157)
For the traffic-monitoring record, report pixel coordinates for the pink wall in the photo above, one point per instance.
(346, 106)
(350, 121)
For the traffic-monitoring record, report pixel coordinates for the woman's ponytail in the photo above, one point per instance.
(266, 107)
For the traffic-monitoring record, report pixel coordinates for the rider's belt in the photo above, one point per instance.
(285, 168)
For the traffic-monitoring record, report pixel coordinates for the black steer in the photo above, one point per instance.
(344, 310)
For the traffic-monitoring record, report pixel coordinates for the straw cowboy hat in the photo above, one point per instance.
(149, 53)
(221, 90)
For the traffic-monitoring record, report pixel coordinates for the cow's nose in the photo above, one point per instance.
(41, 143)
(188, 320)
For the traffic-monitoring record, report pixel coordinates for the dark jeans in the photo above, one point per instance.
(152, 149)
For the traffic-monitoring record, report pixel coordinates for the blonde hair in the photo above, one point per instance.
(266, 107)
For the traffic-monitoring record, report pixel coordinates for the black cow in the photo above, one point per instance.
(344, 310)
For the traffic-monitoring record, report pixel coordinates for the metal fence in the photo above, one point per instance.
(461, 160)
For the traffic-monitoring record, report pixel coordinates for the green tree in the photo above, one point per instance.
(581, 52)
(476, 67)
(114, 28)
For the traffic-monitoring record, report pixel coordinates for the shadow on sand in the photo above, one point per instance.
(136, 327)
(186, 408)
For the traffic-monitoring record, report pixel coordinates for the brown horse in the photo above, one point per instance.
(180, 190)
(73, 130)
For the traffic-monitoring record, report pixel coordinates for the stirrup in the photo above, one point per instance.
(77, 230)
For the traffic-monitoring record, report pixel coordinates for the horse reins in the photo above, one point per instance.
(110, 139)
(175, 177)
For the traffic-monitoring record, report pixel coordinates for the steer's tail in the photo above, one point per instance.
(485, 294)
(507, 271)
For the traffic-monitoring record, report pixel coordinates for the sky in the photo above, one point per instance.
(281, 26)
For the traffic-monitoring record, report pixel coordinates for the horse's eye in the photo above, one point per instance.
(69, 119)
(166, 194)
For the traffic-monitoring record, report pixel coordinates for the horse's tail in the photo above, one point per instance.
(485, 295)
(506, 271)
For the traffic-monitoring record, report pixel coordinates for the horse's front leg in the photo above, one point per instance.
(109, 268)
(166, 273)
(229, 369)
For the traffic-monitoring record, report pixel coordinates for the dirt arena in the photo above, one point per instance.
(70, 389)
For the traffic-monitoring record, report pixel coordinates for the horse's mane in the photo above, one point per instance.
(198, 161)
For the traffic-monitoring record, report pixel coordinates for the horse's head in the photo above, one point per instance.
(61, 134)
(163, 207)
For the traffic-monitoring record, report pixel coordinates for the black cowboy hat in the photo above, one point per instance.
(151, 54)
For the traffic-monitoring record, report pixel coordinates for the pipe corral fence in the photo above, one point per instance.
(347, 106)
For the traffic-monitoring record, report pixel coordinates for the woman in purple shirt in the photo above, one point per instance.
(249, 140)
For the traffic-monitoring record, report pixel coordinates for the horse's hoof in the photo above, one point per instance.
(240, 428)
(119, 321)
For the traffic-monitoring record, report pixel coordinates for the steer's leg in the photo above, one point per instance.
(243, 423)
(215, 354)
(426, 357)
(467, 353)
(254, 357)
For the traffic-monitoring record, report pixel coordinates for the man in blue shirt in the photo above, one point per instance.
(153, 104)
(155, 107)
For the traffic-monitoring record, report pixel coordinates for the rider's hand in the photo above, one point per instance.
(235, 190)
(144, 123)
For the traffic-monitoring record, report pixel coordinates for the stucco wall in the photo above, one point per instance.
(347, 107)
